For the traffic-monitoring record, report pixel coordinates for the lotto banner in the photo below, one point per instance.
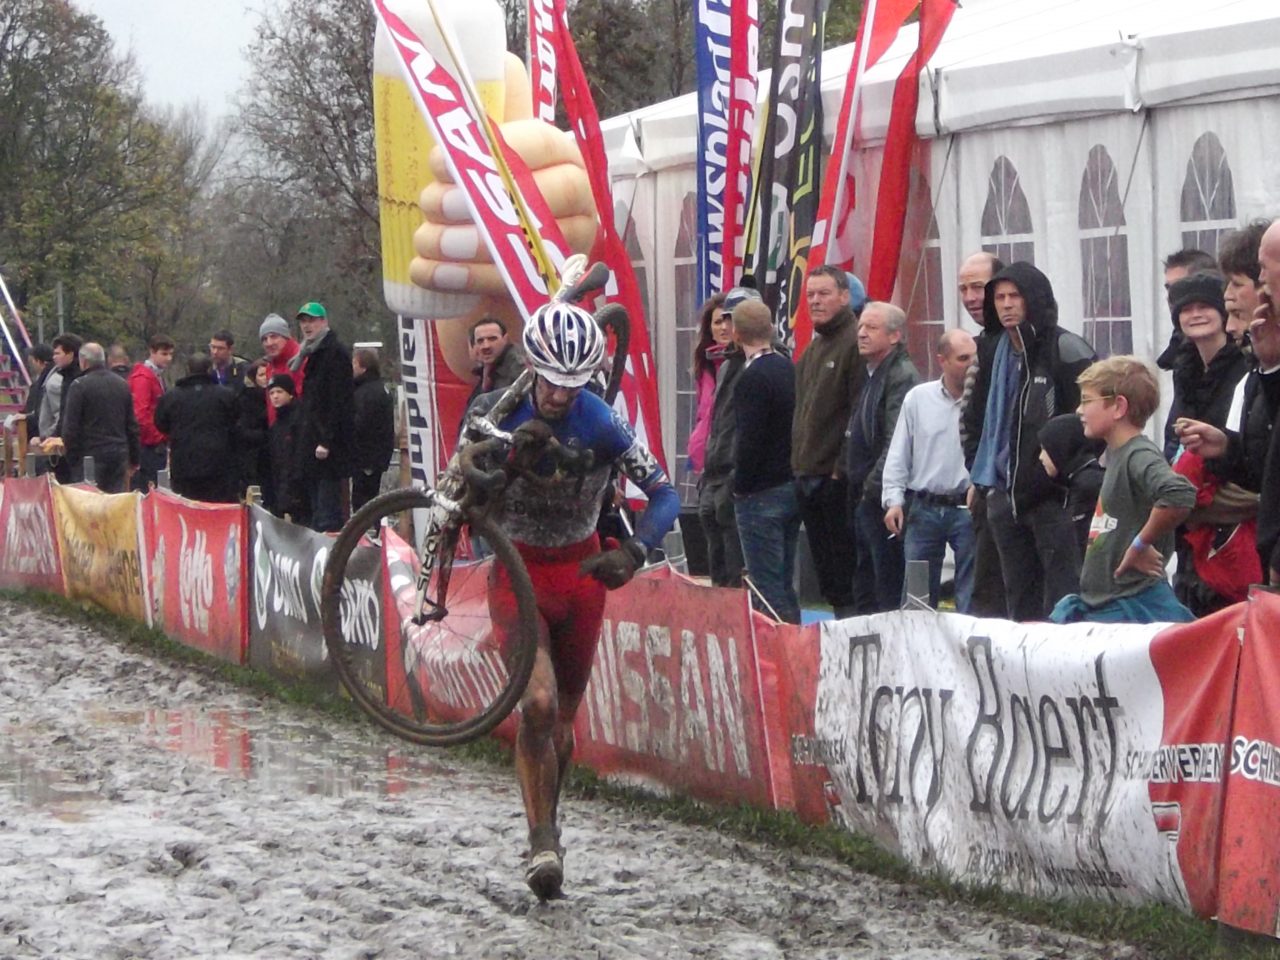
(286, 637)
(1084, 761)
(101, 543)
(675, 697)
(1249, 891)
(198, 574)
(30, 558)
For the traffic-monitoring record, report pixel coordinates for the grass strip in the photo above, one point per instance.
(1156, 931)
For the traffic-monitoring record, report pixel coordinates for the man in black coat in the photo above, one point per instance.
(98, 422)
(1027, 377)
(326, 415)
(199, 418)
(375, 428)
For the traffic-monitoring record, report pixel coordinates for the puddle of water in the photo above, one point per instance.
(22, 777)
(284, 757)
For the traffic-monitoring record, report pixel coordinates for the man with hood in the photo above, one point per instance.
(1030, 378)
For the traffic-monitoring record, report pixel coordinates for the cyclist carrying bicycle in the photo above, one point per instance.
(553, 526)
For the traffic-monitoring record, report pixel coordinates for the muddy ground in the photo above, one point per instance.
(148, 810)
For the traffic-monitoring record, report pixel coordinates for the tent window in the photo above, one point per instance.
(1208, 196)
(1104, 258)
(1006, 219)
(920, 280)
(686, 277)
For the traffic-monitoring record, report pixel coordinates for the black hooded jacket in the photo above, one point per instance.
(1200, 392)
(1054, 359)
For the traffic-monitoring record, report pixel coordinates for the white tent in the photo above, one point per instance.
(1091, 136)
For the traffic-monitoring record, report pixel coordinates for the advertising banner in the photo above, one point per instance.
(198, 574)
(286, 637)
(1053, 761)
(786, 193)
(674, 698)
(102, 547)
(450, 669)
(1249, 882)
(30, 558)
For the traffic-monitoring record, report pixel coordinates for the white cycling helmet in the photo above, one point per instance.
(564, 344)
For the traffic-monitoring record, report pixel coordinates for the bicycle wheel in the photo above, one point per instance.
(449, 681)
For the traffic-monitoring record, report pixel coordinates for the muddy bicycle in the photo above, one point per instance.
(451, 678)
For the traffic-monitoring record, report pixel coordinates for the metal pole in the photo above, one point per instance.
(40, 324)
(62, 314)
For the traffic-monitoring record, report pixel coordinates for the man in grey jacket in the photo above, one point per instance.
(99, 422)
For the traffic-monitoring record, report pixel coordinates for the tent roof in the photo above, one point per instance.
(1010, 62)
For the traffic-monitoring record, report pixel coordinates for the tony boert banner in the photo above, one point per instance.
(1080, 762)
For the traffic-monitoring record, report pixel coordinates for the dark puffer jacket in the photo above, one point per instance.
(1054, 359)
(199, 418)
(1200, 392)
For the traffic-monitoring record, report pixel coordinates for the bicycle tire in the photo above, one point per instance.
(421, 727)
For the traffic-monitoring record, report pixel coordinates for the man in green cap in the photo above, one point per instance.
(326, 415)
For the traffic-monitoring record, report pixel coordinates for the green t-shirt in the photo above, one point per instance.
(1136, 479)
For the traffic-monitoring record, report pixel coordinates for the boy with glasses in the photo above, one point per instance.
(1141, 503)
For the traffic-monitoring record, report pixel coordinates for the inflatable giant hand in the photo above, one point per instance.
(450, 257)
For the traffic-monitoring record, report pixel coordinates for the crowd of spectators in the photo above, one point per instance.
(309, 425)
(1029, 458)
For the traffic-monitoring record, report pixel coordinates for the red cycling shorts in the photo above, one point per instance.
(570, 608)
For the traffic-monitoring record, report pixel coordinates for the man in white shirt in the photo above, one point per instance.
(925, 480)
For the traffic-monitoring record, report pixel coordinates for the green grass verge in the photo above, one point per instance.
(1156, 931)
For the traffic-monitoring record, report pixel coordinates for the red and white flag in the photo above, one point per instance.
(881, 21)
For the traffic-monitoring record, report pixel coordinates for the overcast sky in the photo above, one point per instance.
(187, 50)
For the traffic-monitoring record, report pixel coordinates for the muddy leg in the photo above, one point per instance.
(538, 769)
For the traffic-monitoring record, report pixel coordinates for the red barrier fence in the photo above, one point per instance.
(1122, 763)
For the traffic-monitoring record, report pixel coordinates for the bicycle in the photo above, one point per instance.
(451, 682)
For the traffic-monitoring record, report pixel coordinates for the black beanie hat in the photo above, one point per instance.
(285, 382)
(1205, 287)
(1064, 440)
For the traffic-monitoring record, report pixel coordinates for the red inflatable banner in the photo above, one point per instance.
(674, 697)
(199, 574)
(30, 558)
(1249, 871)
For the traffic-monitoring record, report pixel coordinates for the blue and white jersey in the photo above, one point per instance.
(564, 513)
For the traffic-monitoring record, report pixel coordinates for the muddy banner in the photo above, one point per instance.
(1082, 762)
(198, 574)
(102, 548)
(674, 698)
(29, 559)
(286, 637)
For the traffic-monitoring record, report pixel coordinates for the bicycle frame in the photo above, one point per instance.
(449, 505)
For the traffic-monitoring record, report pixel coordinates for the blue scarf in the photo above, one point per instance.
(991, 464)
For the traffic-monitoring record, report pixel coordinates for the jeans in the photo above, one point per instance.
(929, 529)
(724, 550)
(769, 526)
(110, 472)
(1039, 554)
(824, 513)
(882, 552)
(153, 459)
(326, 504)
(988, 580)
